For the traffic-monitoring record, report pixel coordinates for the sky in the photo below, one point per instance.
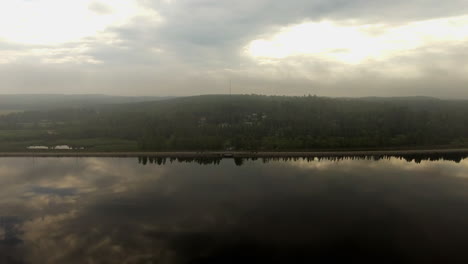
(333, 48)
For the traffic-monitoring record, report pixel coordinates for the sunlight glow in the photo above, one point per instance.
(51, 22)
(354, 44)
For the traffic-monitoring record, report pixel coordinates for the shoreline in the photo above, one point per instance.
(235, 154)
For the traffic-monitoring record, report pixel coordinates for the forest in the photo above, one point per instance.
(242, 122)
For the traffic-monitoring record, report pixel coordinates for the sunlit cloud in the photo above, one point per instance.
(52, 22)
(55, 55)
(189, 47)
(355, 44)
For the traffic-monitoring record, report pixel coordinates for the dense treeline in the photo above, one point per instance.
(242, 122)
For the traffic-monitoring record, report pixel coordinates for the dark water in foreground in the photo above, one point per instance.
(98, 210)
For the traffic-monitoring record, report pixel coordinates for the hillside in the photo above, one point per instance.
(244, 122)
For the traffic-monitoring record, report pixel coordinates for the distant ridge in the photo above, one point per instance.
(51, 101)
(400, 98)
(56, 101)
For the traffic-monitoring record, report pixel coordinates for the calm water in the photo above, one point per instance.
(97, 210)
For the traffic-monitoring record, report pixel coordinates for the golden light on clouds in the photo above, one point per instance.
(354, 44)
(52, 22)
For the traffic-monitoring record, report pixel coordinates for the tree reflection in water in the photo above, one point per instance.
(357, 210)
(239, 161)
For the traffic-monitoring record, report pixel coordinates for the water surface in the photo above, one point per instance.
(109, 210)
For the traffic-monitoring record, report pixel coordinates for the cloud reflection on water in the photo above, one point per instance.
(94, 210)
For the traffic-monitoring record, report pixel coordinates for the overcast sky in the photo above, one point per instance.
(187, 47)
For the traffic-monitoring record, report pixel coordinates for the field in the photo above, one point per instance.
(19, 140)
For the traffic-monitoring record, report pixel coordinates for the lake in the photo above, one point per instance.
(118, 210)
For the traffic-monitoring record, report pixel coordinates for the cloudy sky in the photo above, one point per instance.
(187, 47)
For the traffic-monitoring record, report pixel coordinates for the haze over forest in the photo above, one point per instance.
(275, 47)
(230, 122)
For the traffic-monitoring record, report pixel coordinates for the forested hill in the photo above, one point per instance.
(245, 122)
